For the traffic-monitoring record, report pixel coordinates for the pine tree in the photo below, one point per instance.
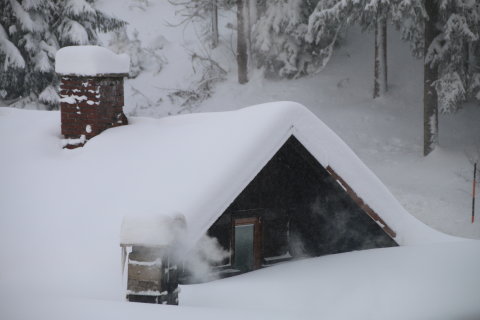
(279, 42)
(141, 58)
(330, 16)
(120, 42)
(31, 31)
(450, 50)
(408, 17)
(445, 34)
(27, 50)
(204, 11)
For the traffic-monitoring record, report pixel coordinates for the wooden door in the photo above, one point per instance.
(246, 244)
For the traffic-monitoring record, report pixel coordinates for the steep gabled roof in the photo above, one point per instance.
(190, 165)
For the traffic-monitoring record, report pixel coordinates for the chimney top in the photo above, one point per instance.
(91, 61)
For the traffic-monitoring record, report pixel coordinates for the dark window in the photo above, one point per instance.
(244, 255)
(246, 244)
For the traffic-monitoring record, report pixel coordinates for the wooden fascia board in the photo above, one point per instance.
(359, 201)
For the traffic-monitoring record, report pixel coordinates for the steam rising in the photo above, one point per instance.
(152, 229)
(199, 261)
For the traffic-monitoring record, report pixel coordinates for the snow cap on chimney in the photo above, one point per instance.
(90, 61)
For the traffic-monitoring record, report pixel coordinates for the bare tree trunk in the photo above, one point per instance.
(376, 67)
(248, 29)
(380, 79)
(214, 24)
(430, 99)
(242, 56)
(466, 59)
(475, 56)
(251, 14)
(385, 62)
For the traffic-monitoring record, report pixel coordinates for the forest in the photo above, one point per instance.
(284, 38)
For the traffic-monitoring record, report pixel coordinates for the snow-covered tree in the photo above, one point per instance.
(408, 17)
(450, 50)
(330, 16)
(27, 47)
(445, 33)
(430, 97)
(205, 11)
(31, 31)
(278, 38)
(141, 58)
(78, 21)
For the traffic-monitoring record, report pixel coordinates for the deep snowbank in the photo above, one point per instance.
(416, 282)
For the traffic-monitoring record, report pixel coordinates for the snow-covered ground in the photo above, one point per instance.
(416, 283)
(72, 255)
(399, 283)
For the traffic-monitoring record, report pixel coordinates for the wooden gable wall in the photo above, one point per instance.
(302, 211)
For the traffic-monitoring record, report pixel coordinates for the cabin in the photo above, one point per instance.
(238, 190)
(290, 205)
(294, 207)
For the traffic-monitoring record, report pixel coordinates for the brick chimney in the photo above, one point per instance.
(91, 92)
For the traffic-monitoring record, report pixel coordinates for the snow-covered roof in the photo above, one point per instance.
(90, 61)
(192, 166)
